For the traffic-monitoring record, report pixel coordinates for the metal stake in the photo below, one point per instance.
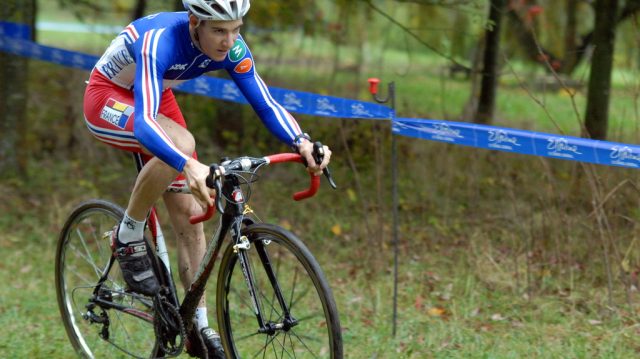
(391, 96)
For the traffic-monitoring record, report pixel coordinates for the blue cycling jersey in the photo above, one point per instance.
(155, 53)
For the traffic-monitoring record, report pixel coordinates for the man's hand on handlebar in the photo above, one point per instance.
(306, 150)
(196, 174)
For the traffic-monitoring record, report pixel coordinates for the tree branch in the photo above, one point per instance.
(411, 33)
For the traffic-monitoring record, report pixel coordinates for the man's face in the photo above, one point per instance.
(217, 37)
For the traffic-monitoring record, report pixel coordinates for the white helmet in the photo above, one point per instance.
(217, 9)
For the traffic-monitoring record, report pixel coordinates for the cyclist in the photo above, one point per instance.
(129, 104)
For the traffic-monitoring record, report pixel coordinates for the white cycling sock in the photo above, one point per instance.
(130, 230)
(201, 318)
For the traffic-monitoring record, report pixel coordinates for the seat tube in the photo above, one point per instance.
(161, 247)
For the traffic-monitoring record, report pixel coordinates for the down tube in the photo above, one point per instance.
(193, 295)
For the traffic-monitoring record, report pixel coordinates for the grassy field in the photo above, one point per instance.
(501, 255)
(476, 280)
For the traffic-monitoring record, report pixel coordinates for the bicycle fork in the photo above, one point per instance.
(241, 248)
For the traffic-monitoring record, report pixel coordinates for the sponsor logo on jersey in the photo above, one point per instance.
(204, 64)
(179, 67)
(116, 61)
(244, 66)
(116, 113)
(238, 51)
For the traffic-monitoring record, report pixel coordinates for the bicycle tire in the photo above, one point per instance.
(82, 255)
(306, 292)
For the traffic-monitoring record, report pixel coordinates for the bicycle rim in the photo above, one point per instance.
(83, 254)
(305, 291)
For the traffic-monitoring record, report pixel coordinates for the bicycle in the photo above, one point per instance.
(272, 298)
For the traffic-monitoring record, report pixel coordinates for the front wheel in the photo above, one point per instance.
(299, 314)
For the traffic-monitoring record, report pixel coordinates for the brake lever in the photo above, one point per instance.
(214, 181)
(318, 156)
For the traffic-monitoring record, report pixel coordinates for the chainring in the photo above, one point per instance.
(169, 327)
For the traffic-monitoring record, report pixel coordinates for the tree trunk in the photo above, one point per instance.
(596, 120)
(486, 102)
(13, 95)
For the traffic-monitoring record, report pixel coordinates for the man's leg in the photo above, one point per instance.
(191, 248)
(151, 183)
(190, 237)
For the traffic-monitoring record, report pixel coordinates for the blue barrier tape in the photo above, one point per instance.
(520, 141)
(294, 101)
(13, 30)
(13, 40)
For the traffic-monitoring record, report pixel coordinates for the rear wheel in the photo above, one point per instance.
(82, 256)
(312, 330)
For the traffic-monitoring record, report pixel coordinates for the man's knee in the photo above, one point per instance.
(185, 143)
(183, 206)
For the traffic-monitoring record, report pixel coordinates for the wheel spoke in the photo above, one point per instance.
(87, 258)
(293, 334)
(293, 288)
(268, 341)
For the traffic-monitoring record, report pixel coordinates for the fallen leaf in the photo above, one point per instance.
(353, 197)
(436, 312)
(285, 224)
(336, 229)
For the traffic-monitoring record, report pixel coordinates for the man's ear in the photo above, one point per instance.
(193, 20)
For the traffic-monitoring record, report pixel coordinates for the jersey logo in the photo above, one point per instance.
(238, 51)
(245, 66)
(179, 67)
(204, 64)
(116, 113)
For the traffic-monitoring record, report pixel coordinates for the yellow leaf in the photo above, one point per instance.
(285, 224)
(353, 197)
(625, 265)
(336, 229)
(435, 312)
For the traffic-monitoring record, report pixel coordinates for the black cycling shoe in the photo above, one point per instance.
(135, 265)
(212, 341)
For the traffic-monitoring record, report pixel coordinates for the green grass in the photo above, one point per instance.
(448, 308)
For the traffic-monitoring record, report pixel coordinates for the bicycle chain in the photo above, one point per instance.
(168, 321)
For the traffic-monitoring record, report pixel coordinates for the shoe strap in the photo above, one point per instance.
(209, 333)
(131, 249)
